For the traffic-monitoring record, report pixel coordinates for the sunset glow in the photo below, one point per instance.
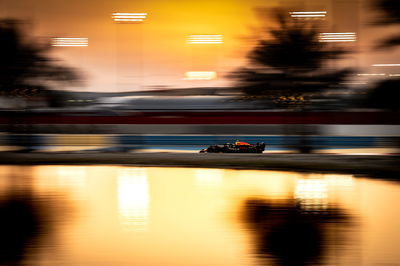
(145, 44)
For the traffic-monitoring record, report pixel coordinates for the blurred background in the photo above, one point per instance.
(300, 76)
(166, 74)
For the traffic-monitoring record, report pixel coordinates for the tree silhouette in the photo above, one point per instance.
(285, 234)
(385, 95)
(25, 66)
(288, 63)
(389, 15)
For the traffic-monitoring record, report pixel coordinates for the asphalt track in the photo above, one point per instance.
(387, 166)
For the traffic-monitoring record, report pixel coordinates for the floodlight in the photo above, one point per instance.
(205, 39)
(71, 42)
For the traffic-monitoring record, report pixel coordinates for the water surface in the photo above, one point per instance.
(114, 215)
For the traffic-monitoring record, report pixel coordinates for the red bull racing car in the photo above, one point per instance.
(237, 147)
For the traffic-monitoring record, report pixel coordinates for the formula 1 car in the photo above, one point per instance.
(237, 147)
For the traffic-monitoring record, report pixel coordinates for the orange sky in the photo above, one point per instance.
(130, 57)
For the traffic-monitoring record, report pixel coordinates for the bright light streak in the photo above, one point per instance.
(200, 75)
(353, 83)
(127, 20)
(341, 37)
(337, 41)
(337, 33)
(70, 42)
(386, 65)
(308, 14)
(129, 17)
(394, 75)
(338, 37)
(205, 39)
(372, 74)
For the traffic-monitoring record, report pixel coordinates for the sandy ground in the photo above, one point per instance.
(387, 166)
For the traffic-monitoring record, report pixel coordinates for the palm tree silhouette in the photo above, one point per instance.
(290, 63)
(389, 15)
(25, 66)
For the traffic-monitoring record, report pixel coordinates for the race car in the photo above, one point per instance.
(237, 147)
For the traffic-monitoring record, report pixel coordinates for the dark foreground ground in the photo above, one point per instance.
(387, 166)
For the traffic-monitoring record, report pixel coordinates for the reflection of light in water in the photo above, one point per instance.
(209, 178)
(66, 180)
(133, 198)
(312, 194)
(273, 185)
(72, 176)
(339, 180)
